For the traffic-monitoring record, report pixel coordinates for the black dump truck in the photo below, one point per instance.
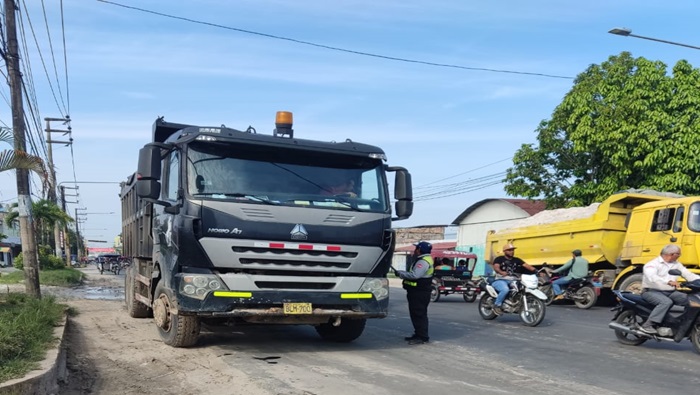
(230, 227)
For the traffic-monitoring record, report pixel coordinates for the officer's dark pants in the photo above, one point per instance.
(418, 301)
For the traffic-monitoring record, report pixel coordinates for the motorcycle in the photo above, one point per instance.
(633, 311)
(584, 292)
(111, 265)
(524, 299)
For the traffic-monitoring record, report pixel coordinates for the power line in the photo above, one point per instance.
(463, 173)
(65, 62)
(53, 57)
(335, 48)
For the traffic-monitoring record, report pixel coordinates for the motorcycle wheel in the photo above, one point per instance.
(434, 294)
(535, 314)
(549, 292)
(469, 296)
(695, 336)
(585, 298)
(630, 319)
(486, 307)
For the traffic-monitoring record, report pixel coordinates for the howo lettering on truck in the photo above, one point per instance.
(229, 227)
(618, 236)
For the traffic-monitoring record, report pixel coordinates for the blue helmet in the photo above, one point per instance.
(424, 247)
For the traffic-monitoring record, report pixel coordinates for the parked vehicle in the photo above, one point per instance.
(632, 311)
(224, 226)
(583, 292)
(618, 236)
(458, 280)
(523, 299)
(108, 262)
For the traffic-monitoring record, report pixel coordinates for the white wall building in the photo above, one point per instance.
(489, 214)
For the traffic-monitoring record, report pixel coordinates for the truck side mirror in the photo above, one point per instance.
(403, 192)
(148, 172)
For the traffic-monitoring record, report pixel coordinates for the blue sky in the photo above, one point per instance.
(446, 125)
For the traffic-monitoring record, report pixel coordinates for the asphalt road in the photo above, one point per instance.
(571, 352)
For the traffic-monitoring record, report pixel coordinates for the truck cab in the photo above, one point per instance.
(252, 228)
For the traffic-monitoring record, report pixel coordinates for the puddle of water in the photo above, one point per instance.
(103, 293)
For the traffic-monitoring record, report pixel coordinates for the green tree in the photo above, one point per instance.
(626, 123)
(46, 214)
(11, 160)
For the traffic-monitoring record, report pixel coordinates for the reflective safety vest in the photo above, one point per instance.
(426, 280)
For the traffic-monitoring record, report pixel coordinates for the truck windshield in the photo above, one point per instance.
(277, 176)
(694, 217)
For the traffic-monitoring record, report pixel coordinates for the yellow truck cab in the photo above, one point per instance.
(618, 236)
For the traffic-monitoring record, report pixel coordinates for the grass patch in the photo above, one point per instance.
(62, 277)
(26, 333)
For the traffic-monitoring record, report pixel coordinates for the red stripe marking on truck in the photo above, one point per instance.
(276, 245)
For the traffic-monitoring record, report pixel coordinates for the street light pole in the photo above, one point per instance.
(628, 33)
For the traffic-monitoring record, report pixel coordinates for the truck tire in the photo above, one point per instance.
(585, 298)
(632, 283)
(347, 331)
(434, 294)
(174, 329)
(135, 308)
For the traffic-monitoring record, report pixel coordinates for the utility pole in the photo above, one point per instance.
(29, 247)
(66, 240)
(77, 234)
(52, 177)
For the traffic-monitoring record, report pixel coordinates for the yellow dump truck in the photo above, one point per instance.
(618, 236)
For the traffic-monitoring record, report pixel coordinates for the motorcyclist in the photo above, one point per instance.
(659, 287)
(577, 267)
(507, 267)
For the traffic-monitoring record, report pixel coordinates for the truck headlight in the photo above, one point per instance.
(379, 287)
(198, 286)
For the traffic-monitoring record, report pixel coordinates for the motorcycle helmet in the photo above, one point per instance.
(424, 247)
(576, 252)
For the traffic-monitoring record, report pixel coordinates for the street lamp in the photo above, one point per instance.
(623, 31)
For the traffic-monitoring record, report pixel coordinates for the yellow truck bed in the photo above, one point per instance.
(598, 231)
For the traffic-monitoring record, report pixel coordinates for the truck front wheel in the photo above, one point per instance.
(632, 283)
(347, 331)
(176, 330)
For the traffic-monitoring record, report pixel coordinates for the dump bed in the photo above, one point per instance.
(137, 241)
(597, 230)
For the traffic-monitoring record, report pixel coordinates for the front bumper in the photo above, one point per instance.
(268, 306)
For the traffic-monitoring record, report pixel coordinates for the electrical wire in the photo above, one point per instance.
(65, 62)
(355, 52)
(43, 63)
(461, 174)
(53, 56)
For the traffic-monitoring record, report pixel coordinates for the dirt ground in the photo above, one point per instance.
(108, 352)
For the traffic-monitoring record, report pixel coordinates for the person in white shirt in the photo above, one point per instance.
(659, 287)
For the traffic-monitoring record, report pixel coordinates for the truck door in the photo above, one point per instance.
(661, 231)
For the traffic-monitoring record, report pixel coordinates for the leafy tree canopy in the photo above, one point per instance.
(626, 123)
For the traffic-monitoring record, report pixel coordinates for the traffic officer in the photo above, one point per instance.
(418, 285)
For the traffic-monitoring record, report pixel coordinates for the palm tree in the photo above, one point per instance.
(46, 215)
(12, 160)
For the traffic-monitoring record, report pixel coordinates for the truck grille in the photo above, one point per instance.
(284, 262)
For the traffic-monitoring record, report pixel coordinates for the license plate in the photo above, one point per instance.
(297, 308)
